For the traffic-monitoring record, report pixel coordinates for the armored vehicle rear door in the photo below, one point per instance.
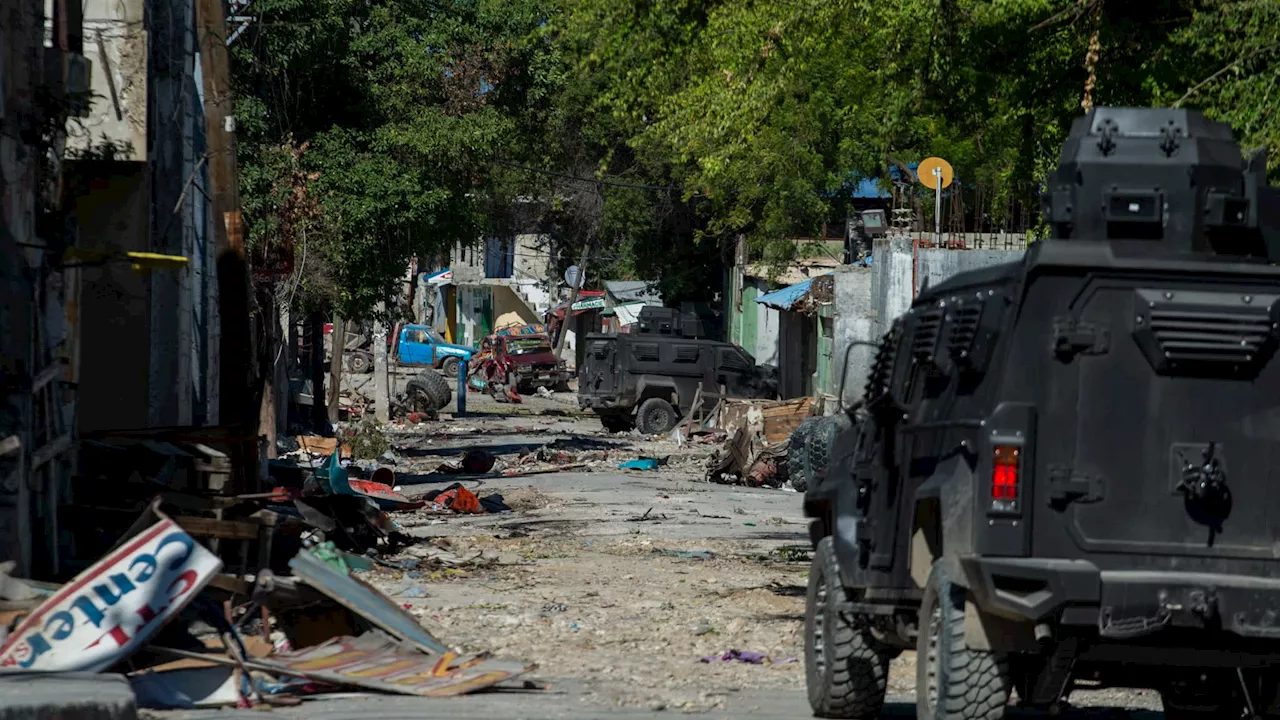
(600, 373)
(1159, 433)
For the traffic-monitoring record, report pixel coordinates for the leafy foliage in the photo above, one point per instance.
(660, 130)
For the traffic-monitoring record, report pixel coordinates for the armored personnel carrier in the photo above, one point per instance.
(1065, 471)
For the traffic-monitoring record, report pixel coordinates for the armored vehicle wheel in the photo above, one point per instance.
(449, 366)
(655, 417)
(428, 391)
(954, 682)
(617, 422)
(845, 667)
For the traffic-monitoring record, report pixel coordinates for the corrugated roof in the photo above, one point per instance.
(633, 290)
(786, 297)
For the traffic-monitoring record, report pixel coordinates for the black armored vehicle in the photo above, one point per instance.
(1064, 472)
(649, 379)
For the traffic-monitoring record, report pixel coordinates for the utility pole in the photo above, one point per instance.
(381, 389)
(236, 404)
(573, 294)
(335, 366)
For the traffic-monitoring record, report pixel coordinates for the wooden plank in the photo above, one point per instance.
(221, 529)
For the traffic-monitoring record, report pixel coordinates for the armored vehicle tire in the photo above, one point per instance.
(656, 417)
(428, 391)
(360, 363)
(798, 453)
(846, 669)
(954, 682)
(449, 366)
(617, 422)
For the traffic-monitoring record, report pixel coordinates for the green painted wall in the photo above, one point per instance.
(748, 318)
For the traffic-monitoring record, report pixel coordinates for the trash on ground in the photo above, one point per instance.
(364, 601)
(377, 662)
(334, 479)
(639, 464)
(474, 462)
(108, 611)
(742, 656)
(685, 554)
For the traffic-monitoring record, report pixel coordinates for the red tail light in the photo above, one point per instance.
(1004, 477)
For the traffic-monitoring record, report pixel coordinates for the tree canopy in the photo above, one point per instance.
(660, 130)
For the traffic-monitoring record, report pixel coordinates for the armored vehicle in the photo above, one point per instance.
(1065, 472)
(649, 379)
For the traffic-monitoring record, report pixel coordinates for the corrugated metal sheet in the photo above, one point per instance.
(786, 297)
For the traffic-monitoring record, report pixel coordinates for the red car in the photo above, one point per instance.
(523, 362)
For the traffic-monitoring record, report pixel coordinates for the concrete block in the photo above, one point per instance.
(65, 696)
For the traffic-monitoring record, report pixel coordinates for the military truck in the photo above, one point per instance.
(649, 379)
(1063, 471)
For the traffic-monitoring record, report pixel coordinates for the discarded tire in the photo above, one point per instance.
(846, 669)
(821, 446)
(655, 417)
(428, 392)
(798, 453)
(954, 682)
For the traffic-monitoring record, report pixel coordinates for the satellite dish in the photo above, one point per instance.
(932, 170)
(571, 275)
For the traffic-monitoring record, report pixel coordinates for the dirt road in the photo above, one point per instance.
(617, 584)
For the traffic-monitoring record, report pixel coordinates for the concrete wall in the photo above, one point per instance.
(935, 265)
(868, 300)
(854, 322)
(115, 41)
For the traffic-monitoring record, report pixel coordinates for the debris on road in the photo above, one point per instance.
(755, 452)
(742, 656)
(639, 464)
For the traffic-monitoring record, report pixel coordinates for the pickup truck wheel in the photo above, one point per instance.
(449, 366)
(846, 669)
(360, 363)
(655, 417)
(954, 682)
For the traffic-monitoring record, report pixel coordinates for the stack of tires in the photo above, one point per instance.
(428, 392)
(811, 447)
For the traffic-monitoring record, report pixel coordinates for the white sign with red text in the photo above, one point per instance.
(109, 610)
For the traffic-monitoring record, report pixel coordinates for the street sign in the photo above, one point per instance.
(571, 275)
(935, 173)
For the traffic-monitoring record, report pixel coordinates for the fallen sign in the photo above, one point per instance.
(377, 662)
(109, 610)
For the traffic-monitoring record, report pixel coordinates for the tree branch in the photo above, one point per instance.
(1200, 85)
(1070, 15)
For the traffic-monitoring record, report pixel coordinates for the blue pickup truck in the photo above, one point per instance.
(420, 345)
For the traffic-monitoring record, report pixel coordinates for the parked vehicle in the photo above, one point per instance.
(523, 362)
(648, 379)
(420, 345)
(1062, 471)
